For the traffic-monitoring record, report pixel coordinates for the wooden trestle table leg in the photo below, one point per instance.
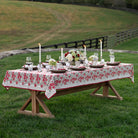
(36, 99)
(106, 87)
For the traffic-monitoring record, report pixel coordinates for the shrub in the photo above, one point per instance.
(107, 3)
(132, 4)
(135, 4)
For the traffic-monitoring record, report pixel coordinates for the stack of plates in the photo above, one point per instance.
(26, 67)
(113, 64)
(58, 70)
(78, 68)
(97, 66)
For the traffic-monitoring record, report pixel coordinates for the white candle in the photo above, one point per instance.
(101, 48)
(39, 53)
(61, 53)
(85, 51)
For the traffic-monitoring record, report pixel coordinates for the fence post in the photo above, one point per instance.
(56, 46)
(96, 43)
(66, 46)
(103, 42)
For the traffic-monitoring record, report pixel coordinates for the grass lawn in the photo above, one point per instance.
(25, 23)
(128, 45)
(77, 115)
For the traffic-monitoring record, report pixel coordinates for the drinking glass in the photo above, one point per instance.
(95, 59)
(59, 58)
(30, 67)
(68, 66)
(48, 68)
(59, 66)
(112, 58)
(28, 61)
(111, 52)
(102, 61)
(48, 57)
(96, 54)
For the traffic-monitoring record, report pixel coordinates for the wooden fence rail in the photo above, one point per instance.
(123, 36)
(90, 43)
(108, 41)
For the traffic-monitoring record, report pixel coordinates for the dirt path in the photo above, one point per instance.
(15, 52)
(63, 23)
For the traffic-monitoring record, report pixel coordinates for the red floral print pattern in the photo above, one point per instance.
(49, 82)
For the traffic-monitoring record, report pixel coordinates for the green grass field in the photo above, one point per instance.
(22, 25)
(25, 23)
(77, 115)
(128, 45)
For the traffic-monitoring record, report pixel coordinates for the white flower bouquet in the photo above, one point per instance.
(73, 55)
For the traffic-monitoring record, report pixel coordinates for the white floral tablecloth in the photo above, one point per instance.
(50, 82)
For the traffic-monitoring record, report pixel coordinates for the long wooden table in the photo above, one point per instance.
(36, 98)
(66, 83)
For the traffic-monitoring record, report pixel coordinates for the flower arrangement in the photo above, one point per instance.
(91, 58)
(52, 62)
(73, 55)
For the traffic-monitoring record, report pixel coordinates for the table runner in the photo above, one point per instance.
(50, 82)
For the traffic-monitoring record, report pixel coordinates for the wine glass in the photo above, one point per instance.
(112, 57)
(48, 57)
(111, 52)
(28, 61)
(59, 58)
(96, 54)
(95, 58)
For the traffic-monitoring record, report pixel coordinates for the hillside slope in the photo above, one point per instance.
(24, 24)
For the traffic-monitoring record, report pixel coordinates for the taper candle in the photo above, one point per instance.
(39, 53)
(101, 49)
(61, 53)
(85, 51)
